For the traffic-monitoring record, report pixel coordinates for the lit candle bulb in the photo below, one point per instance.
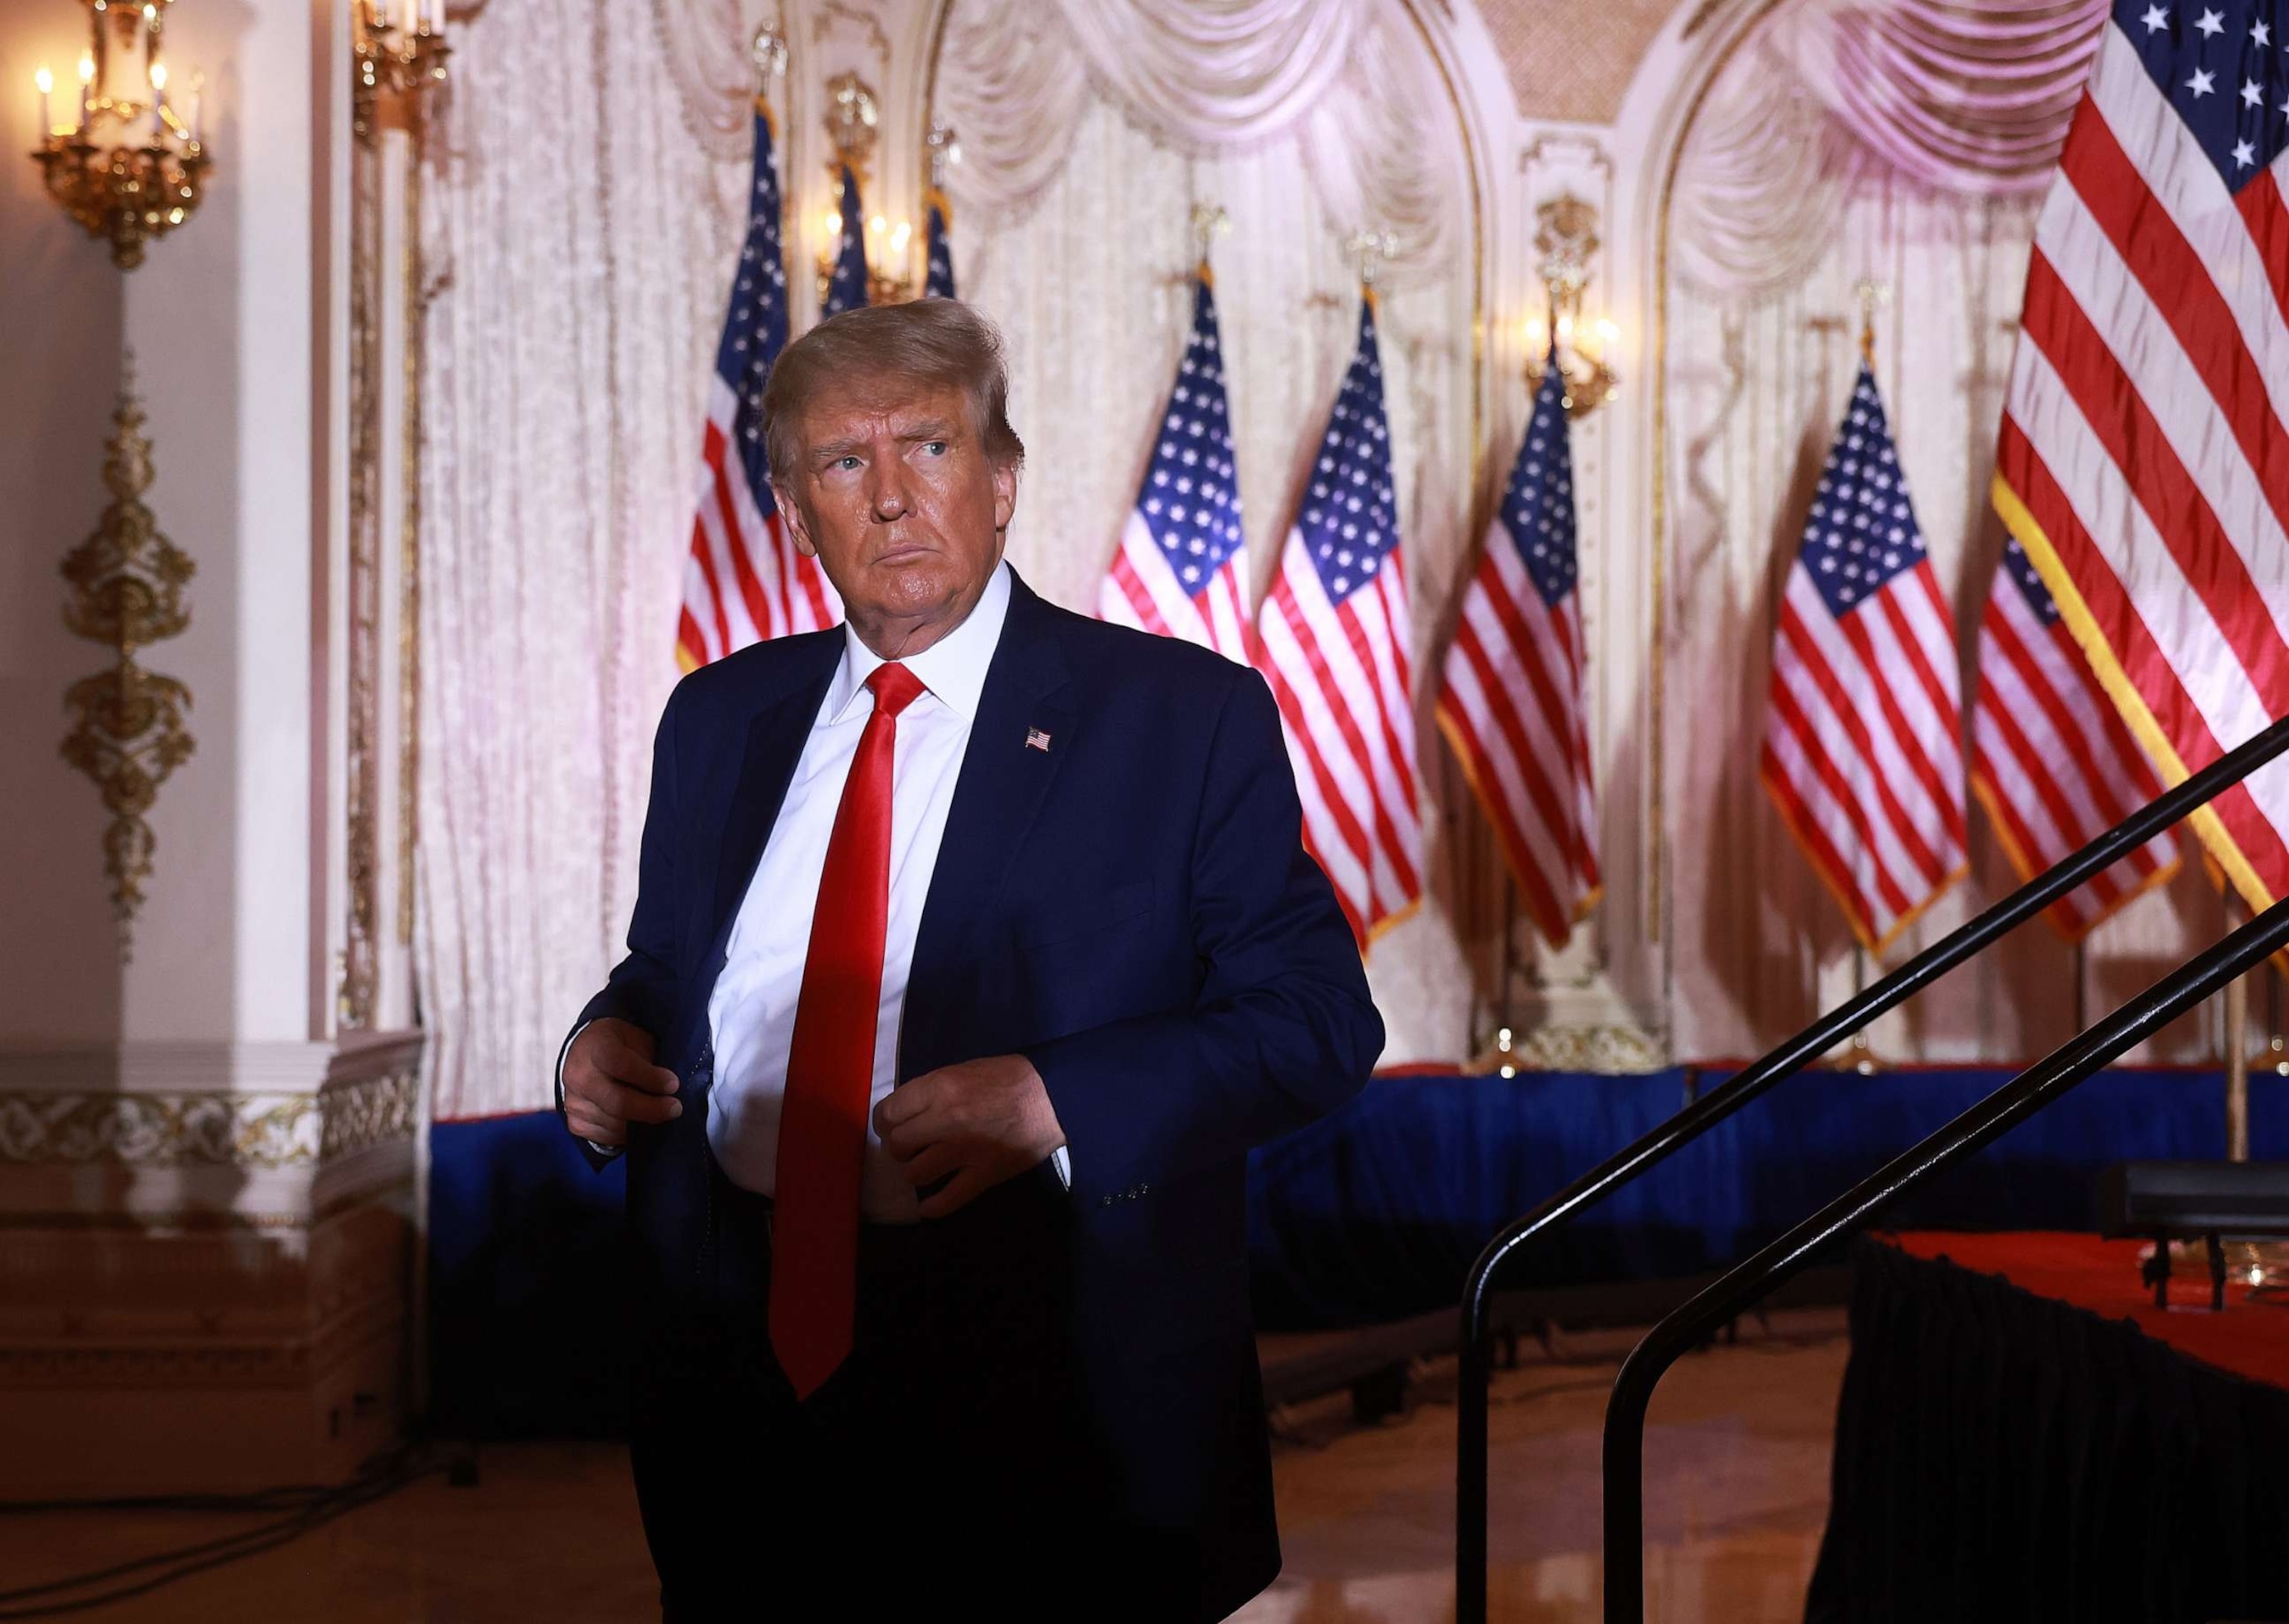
(900, 235)
(158, 100)
(46, 81)
(86, 78)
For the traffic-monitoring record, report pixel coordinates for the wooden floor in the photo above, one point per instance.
(1737, 1493)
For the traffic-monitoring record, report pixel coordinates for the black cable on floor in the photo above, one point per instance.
(322, 1505)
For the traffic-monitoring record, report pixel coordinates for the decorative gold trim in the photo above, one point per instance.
(127, 584)
(1983, 787)
(229, 1365)
(868, 23)
(1609, 1049)
(354, 1000)
(2223, 850)
(409, 610)
(213, 1128)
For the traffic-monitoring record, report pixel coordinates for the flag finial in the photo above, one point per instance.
(1209, 222)
(1371, 249)
(1873, 295)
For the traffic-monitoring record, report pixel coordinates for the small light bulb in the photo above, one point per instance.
(1510, 1070)
(86, 68)
(878, 224)
(45, 80)
(900, 235)
(1606, 330)
(1502, 1037)
(1566, 327)
(831, 222)
(158, 76)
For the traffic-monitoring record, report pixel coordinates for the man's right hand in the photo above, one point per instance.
(609, 1082)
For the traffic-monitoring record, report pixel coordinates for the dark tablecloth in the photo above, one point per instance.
(2001, 1455)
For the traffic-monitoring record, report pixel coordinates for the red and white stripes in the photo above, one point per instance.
(1860, 748)
(2051, 760)
(1141, 592)
(745, 580)
(1339, 674)
(2143, 461)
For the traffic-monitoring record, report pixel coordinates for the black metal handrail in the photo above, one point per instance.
(2041, 1084)
(1720, 1102)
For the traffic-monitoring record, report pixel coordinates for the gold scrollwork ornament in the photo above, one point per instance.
(127, 584)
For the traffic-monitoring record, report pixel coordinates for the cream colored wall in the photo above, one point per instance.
(219, 320)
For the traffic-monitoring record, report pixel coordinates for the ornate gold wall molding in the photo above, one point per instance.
(361, 789)
(212, 1129)
(127, 584)
(1613, 1050)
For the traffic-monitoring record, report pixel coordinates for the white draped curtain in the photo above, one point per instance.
(581, 218)
(1908, 142)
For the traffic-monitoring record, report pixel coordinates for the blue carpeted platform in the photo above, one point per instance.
(1372, 1214)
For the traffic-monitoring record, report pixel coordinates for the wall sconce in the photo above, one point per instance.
(129, 167)
(398, 50)
(1567, 240)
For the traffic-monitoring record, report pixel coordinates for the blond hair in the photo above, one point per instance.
(936, 342)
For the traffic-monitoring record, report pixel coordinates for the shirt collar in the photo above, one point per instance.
(953, 668)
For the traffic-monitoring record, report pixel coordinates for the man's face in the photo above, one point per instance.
(894, 495)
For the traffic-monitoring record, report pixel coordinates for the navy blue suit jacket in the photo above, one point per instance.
(1133, 910)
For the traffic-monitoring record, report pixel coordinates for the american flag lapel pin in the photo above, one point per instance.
(1035, 739)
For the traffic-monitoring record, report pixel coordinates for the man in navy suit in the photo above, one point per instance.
(975, 944)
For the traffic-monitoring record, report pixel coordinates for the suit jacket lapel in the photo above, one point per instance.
(775, 742)
(1004, 780)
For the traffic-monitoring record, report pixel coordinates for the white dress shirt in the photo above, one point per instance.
(751, 1014)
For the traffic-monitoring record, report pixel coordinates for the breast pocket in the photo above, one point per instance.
(1078, 964)
(1085, 916)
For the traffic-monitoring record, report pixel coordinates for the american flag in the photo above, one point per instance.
(1511, 702)
(1182, 569)
(937, 215)
(2143, 462)
(1334, 628)
(1861, 728)
(847, 290)
(2050, 758)
(745, 581)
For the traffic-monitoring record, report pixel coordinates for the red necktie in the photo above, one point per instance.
(830, 1080)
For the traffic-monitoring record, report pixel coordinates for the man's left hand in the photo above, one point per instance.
(984, 1121)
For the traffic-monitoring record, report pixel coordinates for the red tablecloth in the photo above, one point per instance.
(2250, 1339)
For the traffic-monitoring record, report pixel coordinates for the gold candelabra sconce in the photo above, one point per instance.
(130, 167)
(853, 126)
(398, 52)
(1583, 344)
(127, 584)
